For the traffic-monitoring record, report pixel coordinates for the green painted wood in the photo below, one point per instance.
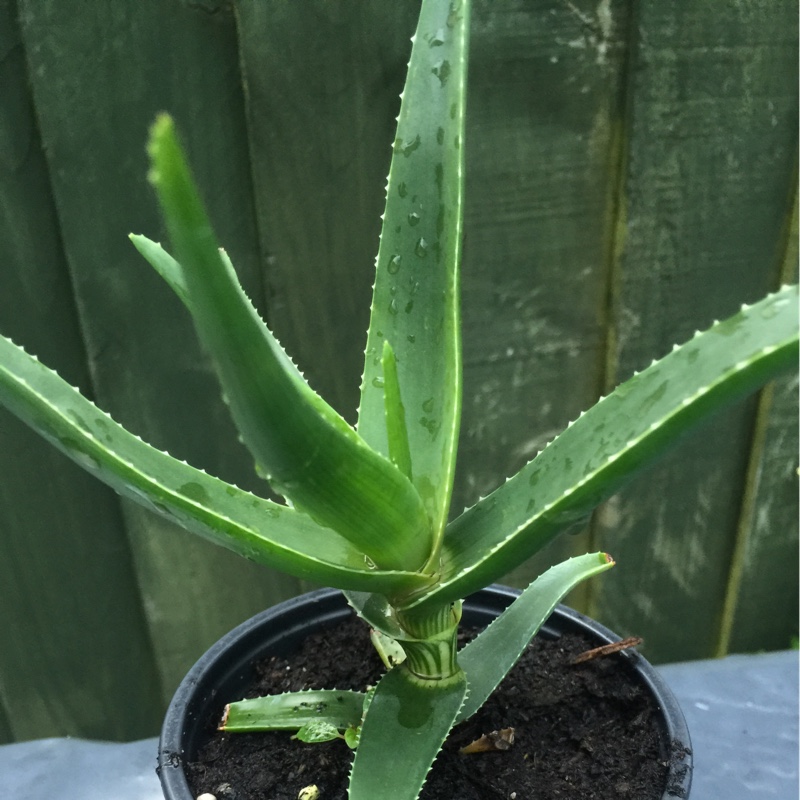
(76, 658)
(762, 608)
(322, 98)
(710, 148)
(6, 734)
(765, 613)
(542, 142)
(628, 169)
(99, 74)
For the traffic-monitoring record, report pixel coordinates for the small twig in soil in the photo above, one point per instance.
(607, 649)
(490, 742)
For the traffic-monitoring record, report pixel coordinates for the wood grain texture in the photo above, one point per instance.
(766, 602)
(99, 74)
(76, 658)
(321, 115)
(543, 126)
(762, 603)
(704, 207)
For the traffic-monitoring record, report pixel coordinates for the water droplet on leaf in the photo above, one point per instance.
(407, 146)
(442, 71)
(437, 40)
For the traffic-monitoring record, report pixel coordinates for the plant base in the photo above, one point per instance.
(595, 730)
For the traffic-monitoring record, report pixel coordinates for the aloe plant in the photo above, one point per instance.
(367, 508)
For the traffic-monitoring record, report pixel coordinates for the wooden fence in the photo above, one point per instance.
(631, 177)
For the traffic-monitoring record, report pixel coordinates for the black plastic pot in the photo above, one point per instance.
(221, 674)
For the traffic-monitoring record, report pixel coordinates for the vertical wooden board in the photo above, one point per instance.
(542, 155)
(6, 734)
(766, 614)
(99, 73)
(711, 122)
(762, 609)
(76, 658)
(323, 83)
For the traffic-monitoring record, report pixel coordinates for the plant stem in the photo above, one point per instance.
(431, 645)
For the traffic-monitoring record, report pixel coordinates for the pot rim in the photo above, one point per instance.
(226, 662)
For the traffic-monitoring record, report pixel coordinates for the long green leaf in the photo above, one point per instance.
(406, 723)
(292, 710)
(627, 430)
(307, 451)
(487, 659)
(415, 302)
(256, 528)
(172, 272)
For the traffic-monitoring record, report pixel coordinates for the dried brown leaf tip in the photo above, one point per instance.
(224, 720)
(490, 742)
(607, 649)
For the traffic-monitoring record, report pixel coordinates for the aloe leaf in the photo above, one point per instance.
(406, 723)
(293, 710)
(396, 430)
(487, 659)
(164, 264)
(605, 447)
(376, 611)
(172, 272)
(415, 301)
(306, 450)
(256, 528)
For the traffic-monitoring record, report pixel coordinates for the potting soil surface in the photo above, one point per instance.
(580, 731)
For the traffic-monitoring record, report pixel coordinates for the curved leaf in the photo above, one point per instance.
(605, 447)
(306, 450)
(376, 611)
(487, 659)
(415, 303)
(292, 710)
(256, 528)
(406, 723)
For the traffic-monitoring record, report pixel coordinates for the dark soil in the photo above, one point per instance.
(581, 732)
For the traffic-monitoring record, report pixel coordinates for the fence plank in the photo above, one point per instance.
(762, 608)
(99, 75)
(322, 98)
(542, 138)
(705, 207)
(76, 658)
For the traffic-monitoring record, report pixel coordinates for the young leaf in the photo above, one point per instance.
(294, 710)
(258, 529)
(306, 449)
(172, 272)
(406, 723)
(316, 732)
(376, 611)
(389, 649)
(627, 430)
(415, 301)
(487, 659)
